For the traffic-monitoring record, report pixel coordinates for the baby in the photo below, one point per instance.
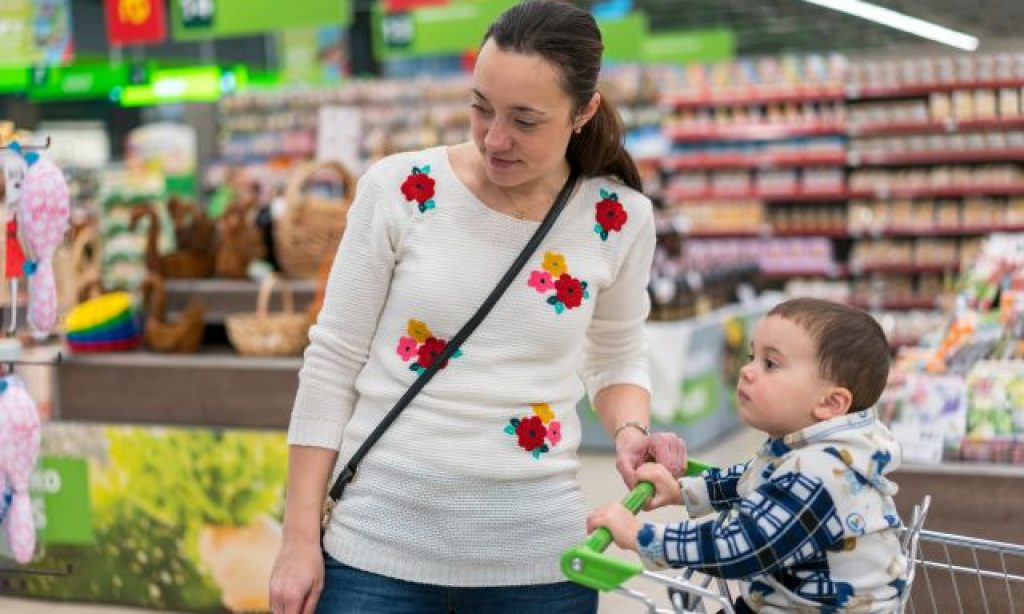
(809, 524)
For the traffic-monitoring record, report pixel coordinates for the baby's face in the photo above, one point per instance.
(779, 389)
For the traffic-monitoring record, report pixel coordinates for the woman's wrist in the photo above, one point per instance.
(634, 426)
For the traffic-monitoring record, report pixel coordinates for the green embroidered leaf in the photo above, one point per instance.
(586, 294)
(536, 453)
(514, 421)
(559, 307)
(425, 168)
(415, 367)
(614, 197)
(604, 193)
(422, 208)
(456, 353)
(552, 300)
(429, 204)
(416, 170)
(511, 430)
(545, 448)
(598, 228)
(583, 284)
(604, 235)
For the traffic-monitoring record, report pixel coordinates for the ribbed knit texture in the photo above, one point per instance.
(448, 495)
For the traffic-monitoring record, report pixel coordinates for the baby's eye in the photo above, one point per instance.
(770, 364)
(750, 358)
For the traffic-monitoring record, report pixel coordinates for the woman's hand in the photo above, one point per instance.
(667, 449)
(631, 448)
(619, 521)
(297, 578)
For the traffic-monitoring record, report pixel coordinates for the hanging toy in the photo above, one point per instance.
(44, 216)
(19, 449)
(15, 167)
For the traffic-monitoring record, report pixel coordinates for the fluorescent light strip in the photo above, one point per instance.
(899, 21)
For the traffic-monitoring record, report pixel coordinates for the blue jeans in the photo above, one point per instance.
(348, 590)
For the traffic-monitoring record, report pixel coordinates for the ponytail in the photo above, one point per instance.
(598, 149)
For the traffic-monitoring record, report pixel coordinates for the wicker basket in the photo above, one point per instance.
(269, 334)
(311, 226)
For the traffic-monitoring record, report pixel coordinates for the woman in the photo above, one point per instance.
(469, 499)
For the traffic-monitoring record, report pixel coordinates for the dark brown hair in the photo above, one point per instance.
(852, 349)
(568, 38)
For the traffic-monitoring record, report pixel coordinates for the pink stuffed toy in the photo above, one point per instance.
(43, 217)
(19, 448)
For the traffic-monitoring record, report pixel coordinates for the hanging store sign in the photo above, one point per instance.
(623, 37)
(397, 6)
(134, 22)
(204, 19)
(451, 29)
(78, 82)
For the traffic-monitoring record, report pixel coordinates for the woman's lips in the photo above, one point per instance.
(501, 162)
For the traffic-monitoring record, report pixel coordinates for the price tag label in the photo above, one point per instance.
(14, 173)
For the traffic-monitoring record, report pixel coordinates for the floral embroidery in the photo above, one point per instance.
(610, 214)
(538, 433)
(422, 345)
(554, 275)
(419, 187)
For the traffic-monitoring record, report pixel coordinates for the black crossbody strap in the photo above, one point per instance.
(467, 329)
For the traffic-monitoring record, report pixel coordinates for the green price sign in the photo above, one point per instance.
(60, 500)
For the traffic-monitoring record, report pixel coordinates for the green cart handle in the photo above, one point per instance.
(587, 565)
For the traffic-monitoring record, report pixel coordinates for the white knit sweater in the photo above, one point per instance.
(475, 483)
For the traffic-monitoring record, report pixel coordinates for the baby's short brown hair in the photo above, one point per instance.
(852, 349)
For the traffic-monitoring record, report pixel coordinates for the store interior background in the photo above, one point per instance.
(789, 149)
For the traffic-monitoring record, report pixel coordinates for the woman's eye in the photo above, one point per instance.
(480, 109)
(523, 123)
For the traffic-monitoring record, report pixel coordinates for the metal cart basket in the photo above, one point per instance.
(947, 573)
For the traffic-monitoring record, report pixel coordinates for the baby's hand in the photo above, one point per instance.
(617, 519)
(666, 488)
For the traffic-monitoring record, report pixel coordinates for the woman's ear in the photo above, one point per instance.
(835, 402)
(588, 112)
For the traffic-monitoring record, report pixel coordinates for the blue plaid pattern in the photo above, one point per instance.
(722, 485)
(786, 521)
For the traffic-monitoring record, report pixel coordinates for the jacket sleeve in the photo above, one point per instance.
(713, 490)
(340, 340)
(616, 345)
(787, 520)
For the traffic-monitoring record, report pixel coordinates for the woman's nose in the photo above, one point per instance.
(497, 136)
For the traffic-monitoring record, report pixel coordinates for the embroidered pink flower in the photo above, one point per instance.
(408, 348)
(429, 352)
(570, 291)
(541, 281)
(554, 432)
(531, 433)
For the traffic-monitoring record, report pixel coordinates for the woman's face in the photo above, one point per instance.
(521, 116)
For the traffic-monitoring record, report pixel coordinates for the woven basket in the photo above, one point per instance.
(311, 226)
(269, 334)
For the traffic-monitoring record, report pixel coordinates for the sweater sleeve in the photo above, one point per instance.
(786, 521)
(713, 490)
(616, 345)
(340, 340)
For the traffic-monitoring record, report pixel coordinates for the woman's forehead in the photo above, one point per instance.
(514, 79)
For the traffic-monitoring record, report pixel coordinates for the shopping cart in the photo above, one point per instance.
(947, 573)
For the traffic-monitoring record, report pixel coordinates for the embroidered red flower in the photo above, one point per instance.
(554, 432)
(531, 433)
(408, 348)
(570, 291)
(429, 352)
(610, 215)
(418, 186)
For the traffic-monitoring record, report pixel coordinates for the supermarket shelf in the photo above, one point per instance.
(932, 231)
(786, 159)
(855, 158)
(222, 297)
(903, 269)
(753, 132)
(833, 271)
(883, 192)
(845, 233)
(949, 126)
(682, 195)
(219, 389)
(755, 96)
(854, 92)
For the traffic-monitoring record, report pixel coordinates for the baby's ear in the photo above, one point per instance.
(835, 402)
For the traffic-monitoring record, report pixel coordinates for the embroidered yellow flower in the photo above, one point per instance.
(554, 263)
(419, 331)
(543, 411)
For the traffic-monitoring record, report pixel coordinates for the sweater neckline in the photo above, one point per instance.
(494, 213)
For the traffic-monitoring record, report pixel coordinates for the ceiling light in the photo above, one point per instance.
(899, 21)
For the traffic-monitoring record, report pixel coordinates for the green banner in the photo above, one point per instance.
(442, 30)
(60, 489)
(13, 79)
(79, 82)
(201, 19)
(693, 46)
(624, 38)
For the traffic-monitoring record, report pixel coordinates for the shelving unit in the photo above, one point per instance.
(777, 162)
